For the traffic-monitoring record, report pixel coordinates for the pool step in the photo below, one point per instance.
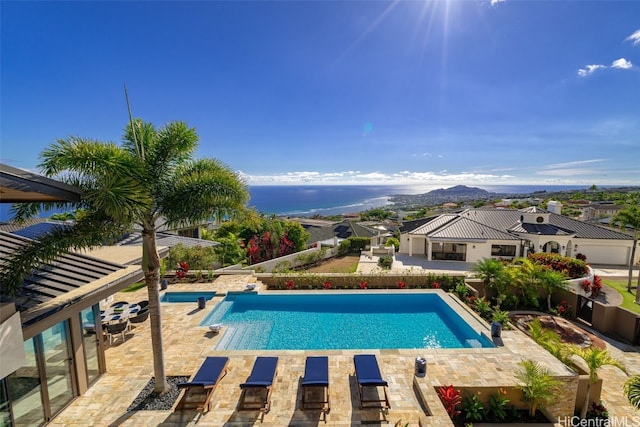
(245, 336)
(218, 313)
(472, 343)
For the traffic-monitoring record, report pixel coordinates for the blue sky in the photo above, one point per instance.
(333, 92)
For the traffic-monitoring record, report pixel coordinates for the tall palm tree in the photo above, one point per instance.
(489, 270)
(150, 180)
(595, 358)
(630, 217)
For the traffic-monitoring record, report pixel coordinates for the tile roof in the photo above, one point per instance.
(341, 230)
(507, 221)
(168, 240)
(465, 229)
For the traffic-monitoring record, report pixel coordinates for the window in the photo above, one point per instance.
(503, 250)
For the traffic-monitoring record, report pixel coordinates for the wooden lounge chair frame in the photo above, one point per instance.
(370, 378)
(202, 385)
(258, 380)
(312, 380)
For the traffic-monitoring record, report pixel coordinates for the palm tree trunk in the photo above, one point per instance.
(587, 401)
(632, 258)
(151, 268)
(161, 384)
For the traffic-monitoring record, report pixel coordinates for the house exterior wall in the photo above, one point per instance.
(413, 245)
(615, 252)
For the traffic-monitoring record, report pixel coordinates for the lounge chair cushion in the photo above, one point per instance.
(208, 374)
(367, 370)
(263, 372)
(316, 371)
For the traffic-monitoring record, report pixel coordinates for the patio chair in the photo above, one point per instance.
(368, 376)
(143, 304)
(140, 316)
(316, 376)
(114, 329)
(261, 379)
(199, 390)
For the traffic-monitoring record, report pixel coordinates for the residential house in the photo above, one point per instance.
(47, 355)
(474, 234)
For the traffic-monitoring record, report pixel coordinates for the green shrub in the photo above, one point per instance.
(359, 243)
(393, 241)
(385, 261)
(345, 247)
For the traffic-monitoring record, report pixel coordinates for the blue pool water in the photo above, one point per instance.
(186, 296)
(341, 321)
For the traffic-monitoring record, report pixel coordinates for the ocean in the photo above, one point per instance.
(308, 200)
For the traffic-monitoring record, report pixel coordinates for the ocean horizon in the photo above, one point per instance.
(324, 200)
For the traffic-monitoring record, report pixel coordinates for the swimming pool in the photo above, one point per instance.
(191, 296)
(341, 321)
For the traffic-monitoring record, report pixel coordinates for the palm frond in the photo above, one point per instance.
(90, 231)
(632, 390)
(203, 190)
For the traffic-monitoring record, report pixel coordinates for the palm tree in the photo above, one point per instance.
(527, 276)
(552, 281)
(630, 217)
(489, 270)
(632, 390)
(151, 179)
(538, 386)
(595, 358)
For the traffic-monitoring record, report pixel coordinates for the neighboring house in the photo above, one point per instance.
(47, 357)
(474, 234)
(333, 234)
(596, 211)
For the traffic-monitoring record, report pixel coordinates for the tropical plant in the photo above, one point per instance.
(552, 281)
(483, 307)
(461, 290)
(624, 218)
(550, 340)
(472, 408)
(538, 386)
(151, 179)
(595, 358)
(632, 390)
(451, 398)
(501, 317)
(489, 270)
(498, 405)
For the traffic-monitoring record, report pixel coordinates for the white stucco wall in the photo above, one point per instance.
(615, 252)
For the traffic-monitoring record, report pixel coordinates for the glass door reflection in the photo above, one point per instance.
(58, 361)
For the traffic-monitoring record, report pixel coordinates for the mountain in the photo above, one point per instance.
(460, 191)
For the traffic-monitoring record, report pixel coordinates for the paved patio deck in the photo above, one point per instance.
(130, 367)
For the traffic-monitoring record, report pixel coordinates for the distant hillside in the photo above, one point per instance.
(443, 195)
(460, 191)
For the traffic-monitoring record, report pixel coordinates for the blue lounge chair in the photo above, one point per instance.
(368, 375)
(316, 375)
(261, 379)
(199, 390)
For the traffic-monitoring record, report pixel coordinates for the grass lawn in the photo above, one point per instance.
(620, 285)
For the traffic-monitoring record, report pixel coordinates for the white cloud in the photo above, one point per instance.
(495, 2)
(571, 164)
(621, 63)
(364, 178)
(634, 38)
(590, 69)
